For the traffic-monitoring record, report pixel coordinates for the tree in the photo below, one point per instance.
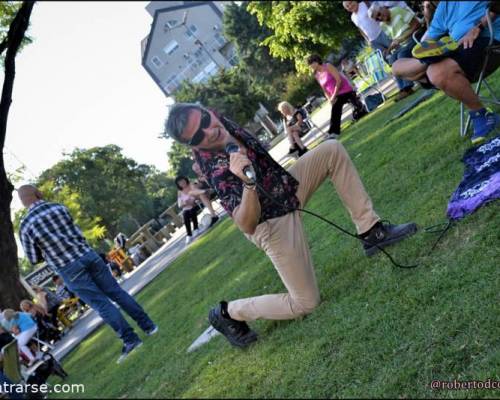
(108, 185)
(161, 189)
(10, 43)
(230, 92)
(299, 28)
(243, 29)
(180, 161)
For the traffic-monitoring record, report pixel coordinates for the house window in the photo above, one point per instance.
(190, 31)
(211, 69)
(171, 47)
(200, 77)
(156, 62)
(220, 39)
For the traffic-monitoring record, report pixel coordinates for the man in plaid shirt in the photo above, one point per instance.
(48, 233)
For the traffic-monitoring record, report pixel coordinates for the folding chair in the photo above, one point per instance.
(490, 64)
(374, 67)
(11, 364)
(309, 122)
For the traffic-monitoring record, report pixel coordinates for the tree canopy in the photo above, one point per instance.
(244, 30)
(299, 28)
(108, 186)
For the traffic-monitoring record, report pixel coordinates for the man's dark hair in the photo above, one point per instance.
(55, 278)
(177, 119)
(314, 58)
(180, 178)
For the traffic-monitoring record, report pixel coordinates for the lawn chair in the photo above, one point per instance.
(11, 364)
(308, 122)
(371, 70)
(37, 373)
(490, 64)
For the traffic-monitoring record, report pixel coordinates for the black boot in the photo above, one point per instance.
(238, 333)
(385, 234)
(303, 151)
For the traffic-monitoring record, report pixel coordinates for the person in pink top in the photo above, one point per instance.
(186, 200)
(337, 89)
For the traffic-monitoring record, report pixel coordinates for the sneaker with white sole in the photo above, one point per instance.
(127, 349)
(189, 239)
(484, 122)
(152, 331)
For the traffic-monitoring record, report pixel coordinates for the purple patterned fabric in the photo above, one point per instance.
(481, 181)
(275, 180)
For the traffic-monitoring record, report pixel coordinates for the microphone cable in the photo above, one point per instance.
(344, 231)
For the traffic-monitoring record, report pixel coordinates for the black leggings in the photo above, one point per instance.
(342, 99)
(190, 215)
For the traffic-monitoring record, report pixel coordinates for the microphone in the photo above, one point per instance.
(248, 170)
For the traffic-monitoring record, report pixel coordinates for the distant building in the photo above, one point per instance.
(185, 43)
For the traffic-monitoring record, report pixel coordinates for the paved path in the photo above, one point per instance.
(162, 258)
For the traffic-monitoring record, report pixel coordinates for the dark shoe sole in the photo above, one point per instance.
(249, 338)
(374, 249)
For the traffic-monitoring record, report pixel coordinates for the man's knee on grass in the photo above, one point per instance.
(303, 307)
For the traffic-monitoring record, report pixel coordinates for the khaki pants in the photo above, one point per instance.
(284, 242)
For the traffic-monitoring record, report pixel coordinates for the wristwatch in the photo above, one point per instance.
(250, 186)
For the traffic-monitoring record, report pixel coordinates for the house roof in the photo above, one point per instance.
(147, 43)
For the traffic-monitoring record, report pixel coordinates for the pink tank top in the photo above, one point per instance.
(327, 82)
(185, 197)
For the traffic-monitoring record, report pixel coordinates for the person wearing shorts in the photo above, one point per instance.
(453, 71)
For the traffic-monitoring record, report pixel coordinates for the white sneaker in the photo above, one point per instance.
(196, 232)
(188, 239)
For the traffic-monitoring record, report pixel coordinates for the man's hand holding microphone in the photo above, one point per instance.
(240, 165)
(246, 215)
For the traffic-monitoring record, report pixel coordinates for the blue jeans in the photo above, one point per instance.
(89, 277)
(382, 42)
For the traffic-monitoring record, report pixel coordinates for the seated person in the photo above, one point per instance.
(374, 35)
(46, 331)
(23, 327)
(63, 293)
(48, 301)
(399, 24)
(293, 124)
(453, 72)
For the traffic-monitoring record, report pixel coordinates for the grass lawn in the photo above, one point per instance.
(378, 332)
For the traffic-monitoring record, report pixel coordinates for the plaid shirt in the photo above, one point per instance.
(49, 233)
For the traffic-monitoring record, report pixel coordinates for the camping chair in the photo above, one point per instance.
(18, 373)
(309, 123)
(11, 365)
(490, 64)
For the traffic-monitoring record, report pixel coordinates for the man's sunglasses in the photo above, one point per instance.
(199, 135)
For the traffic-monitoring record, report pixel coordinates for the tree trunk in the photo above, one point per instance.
(11, 290)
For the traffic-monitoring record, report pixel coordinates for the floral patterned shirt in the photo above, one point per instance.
(271, 177)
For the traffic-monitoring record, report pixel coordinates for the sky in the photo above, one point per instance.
(81, 84)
